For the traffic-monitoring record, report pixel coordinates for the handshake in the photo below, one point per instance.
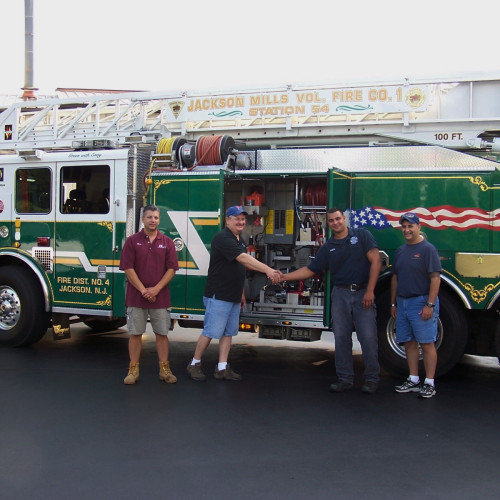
(275, 276)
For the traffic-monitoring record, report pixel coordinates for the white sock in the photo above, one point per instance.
(221, 366)
(429, 381)
(195, 361)
(415, 379)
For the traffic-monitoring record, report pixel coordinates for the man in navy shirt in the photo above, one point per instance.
(416, 277)
(352, 257)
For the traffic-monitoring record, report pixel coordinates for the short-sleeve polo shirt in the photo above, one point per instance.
(150, 260)
(226, 276)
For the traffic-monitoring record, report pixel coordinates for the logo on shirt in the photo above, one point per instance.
(161, 246)
(354, 240)
(416, 256)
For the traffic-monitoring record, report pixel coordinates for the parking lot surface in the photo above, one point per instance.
(70, 428)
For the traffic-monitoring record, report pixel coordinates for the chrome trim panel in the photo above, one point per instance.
(82, 312)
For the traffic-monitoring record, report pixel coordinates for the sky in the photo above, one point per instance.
(201, 45)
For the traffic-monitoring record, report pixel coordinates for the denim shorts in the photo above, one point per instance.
(137, 319)
(409, 323)
(222, 318)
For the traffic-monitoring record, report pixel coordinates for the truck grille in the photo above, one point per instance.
(44, 255)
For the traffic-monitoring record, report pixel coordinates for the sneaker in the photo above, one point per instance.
(341, 386)
(227, 374)
(133, 374)
(195, 372)
(427, 391)
(369, 387)
(166, 373)
(408, 386)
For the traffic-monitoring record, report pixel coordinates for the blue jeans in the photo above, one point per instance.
(348, 315)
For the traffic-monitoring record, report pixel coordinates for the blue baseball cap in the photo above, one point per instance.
(410, 217)
(235, 210)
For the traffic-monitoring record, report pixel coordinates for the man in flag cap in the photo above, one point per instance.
(416, 277)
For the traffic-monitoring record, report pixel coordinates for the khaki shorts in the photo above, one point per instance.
(137, 319)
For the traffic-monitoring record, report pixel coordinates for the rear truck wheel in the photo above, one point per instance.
(23, 319)
(101, 325)
(450, 343)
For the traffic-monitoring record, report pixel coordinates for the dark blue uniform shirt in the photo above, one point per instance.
(346, 257)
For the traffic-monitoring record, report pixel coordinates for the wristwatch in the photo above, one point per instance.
(430, 304)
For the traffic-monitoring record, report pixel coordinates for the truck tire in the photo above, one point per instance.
(450, 343)
(101, 325)
(23, 319)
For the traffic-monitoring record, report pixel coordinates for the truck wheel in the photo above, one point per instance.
(450, 343)
(23, 319)
(105, 325)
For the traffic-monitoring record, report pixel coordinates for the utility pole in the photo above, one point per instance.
(28, 89)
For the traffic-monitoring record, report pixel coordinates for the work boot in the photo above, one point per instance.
(196, 373)
(369, 387)
(133, 374)
(227, 374)
(166, 373)
(341, 386)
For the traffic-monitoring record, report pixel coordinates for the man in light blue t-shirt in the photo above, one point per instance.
(416, 276)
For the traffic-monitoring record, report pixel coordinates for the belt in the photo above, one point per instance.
(354, 287)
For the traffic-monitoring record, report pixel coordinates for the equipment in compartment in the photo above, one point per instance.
(281, 218)
(302, 296)
(256, 198)
(315, 195)
(311, 212)
(312, 227)
(275, 222)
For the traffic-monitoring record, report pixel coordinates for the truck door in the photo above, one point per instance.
(339, 195)
(85, 236)
(191, 214)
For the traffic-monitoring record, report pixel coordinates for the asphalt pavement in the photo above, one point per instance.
(70, 428)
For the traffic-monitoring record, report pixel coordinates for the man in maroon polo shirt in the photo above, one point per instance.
(149, 260)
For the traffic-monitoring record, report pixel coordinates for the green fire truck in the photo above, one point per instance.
(75, 172)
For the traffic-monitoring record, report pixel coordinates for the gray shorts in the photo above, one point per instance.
(137, 319)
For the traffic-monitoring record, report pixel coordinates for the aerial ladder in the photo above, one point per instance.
(457, 114)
